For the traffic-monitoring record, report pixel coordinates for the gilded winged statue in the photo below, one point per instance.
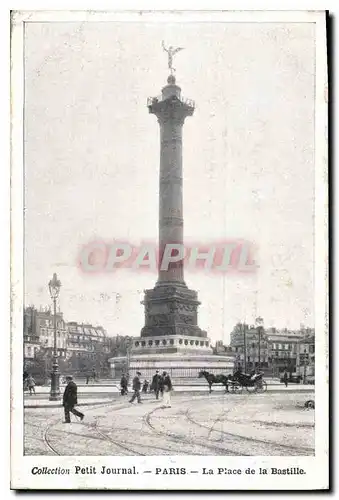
(171, 51)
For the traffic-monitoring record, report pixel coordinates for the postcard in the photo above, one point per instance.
(169, 258)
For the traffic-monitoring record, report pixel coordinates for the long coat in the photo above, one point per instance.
(70, 397)
(156, 382)
(167, 382)
(136, 384)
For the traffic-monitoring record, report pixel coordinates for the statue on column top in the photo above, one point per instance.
(171, 51)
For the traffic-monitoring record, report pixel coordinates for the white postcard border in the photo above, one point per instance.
(316, 467)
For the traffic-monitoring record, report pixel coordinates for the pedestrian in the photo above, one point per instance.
(123, 385)
(156, 384)
(167, 389)
(145, 387)
(136, 388)
(70, 399)
(30, 384)
(25, 381)
(285, 378)
(161, 385)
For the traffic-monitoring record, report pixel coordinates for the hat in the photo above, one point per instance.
(138, 373)
(69, 377)
(164, 373)
(156, 371)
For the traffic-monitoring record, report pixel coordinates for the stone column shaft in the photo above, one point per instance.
(170, 194)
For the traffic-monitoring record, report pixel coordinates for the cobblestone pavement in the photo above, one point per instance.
(246, 424)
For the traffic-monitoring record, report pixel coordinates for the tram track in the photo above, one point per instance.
(102, 435)
(52, 423)
(255, 441)
(235, 445)
(182, 439)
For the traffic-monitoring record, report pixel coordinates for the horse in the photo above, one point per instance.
(214, 379)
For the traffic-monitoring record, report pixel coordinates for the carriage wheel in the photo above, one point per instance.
(262, 386)
(236, 388)
(251, 388)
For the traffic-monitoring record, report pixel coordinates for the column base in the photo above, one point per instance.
(55, 397)
(171, 310)
(55, 394)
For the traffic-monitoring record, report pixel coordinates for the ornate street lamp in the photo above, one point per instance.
(260, 330)
(54, 289)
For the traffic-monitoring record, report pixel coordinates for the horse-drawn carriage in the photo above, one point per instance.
(237, 382)
(252, 383)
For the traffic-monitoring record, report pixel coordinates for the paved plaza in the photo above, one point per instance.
(273, 423)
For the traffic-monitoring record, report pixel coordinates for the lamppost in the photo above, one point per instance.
(128, 355)
(305, 364)
(54, 289)
(245, 349)
(260, 330)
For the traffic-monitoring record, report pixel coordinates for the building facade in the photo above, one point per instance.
(86, 339)
(250, 346)
(292, 349)
(31, 335)
(39, 332)
(278, 350)
(73, 339)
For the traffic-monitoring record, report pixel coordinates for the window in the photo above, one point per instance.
(180, 341)
(197, 342)
(157, 342)
(172, 342)
(280, 346)
(136, 344)
(191, 342)
(150, 342)
(201, 343)
(29, 351)
(206, 344)
(164, 342)
(186, 342)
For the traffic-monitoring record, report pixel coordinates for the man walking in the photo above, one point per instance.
(31, 384)
(285, 378)
(123, 385)
(167, 388)
(70, 399)
(156, 384)
(136, 388)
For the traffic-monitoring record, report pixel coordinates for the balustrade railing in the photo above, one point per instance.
(160, 98)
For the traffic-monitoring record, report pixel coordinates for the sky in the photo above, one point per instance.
(92, 163)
